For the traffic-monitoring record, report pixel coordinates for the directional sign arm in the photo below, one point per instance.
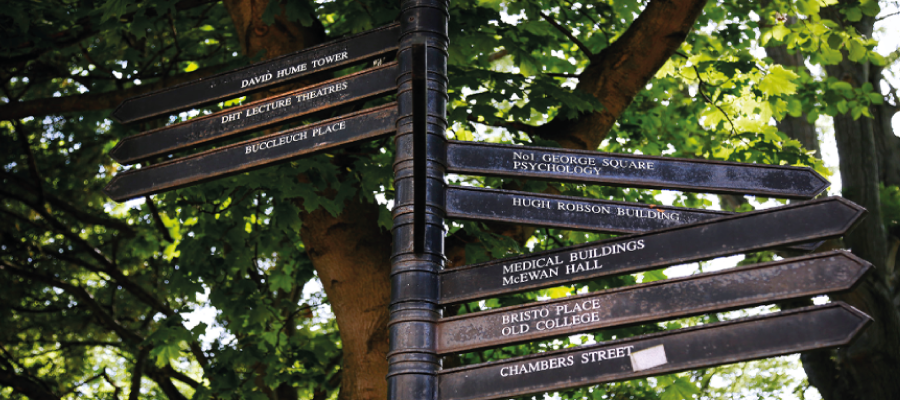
(241, 81)
(705, 346)
(567, 211)
(767, 283)
(258, 114)
(251, 154)
(630, 170)
(739, 233)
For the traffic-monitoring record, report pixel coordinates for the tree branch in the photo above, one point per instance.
(581, 46)
(94, 101)
(137, 373)
(512, 125)
(25, 386)
(32, 163)
(79, 293)
(622, 70)
(88, 31)
(160, 225)
(107, 266)
(60, 204)
(165, 383)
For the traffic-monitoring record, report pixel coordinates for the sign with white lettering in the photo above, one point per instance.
(633, 170)
(258, 114)
(806, 276)
(337, 53)
(787, 332)
(252, 154)
(751, 231)
(567, 211)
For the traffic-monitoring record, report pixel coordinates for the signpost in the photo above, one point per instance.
(258, 114)
(420, 287)
(567, 211)
(656, 301)
(252, 154)
(279, 70)
(739, 233)
(633, 170)
(787, 332)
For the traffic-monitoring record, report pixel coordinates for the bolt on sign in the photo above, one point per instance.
(658, 236)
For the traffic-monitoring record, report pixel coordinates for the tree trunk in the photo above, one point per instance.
(867, 369)
(350, 252)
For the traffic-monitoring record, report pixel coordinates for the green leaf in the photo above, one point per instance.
(853, 14)
(680, 389)
(795, 108)
(834, 41)
(870, 7)
(830, 56)
(841, 86)
(857, 51)
(875, 98)
(652, 276)
(165, 354)
(779, 81)
(279, 280)
(780, 31)
(842, 106)
(113, 9)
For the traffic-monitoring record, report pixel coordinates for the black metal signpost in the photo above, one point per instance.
(418, 254)
(656, 301)
(324, 57)
(256, 153)
(740, 233)
(258, 114)
(567, 211)
(776, 334)
(420, 287)
(633, 170)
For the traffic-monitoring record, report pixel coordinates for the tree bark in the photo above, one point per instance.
(350, 252)
(618, 73)
(866, 369)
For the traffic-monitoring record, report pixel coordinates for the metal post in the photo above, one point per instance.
(418, 253)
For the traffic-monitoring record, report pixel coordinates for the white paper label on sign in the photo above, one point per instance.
(648, 358)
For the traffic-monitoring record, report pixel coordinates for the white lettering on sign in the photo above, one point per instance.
(536, 203)
(295, 137)
(574, 164)
(293, 69)
(585, 208)
(649, 358)
(264, 108)
(606, 354)
(337, 87)
(537, 366)
(256, 80)
(649, 214)
(231, 117)
(551, 317)
(579, 261)
(329, 59)
(619, 164)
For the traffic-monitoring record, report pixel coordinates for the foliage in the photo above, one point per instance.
(92, 287)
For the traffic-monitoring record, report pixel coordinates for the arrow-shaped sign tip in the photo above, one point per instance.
(864, 321)
(821, 185)
(111, 190)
